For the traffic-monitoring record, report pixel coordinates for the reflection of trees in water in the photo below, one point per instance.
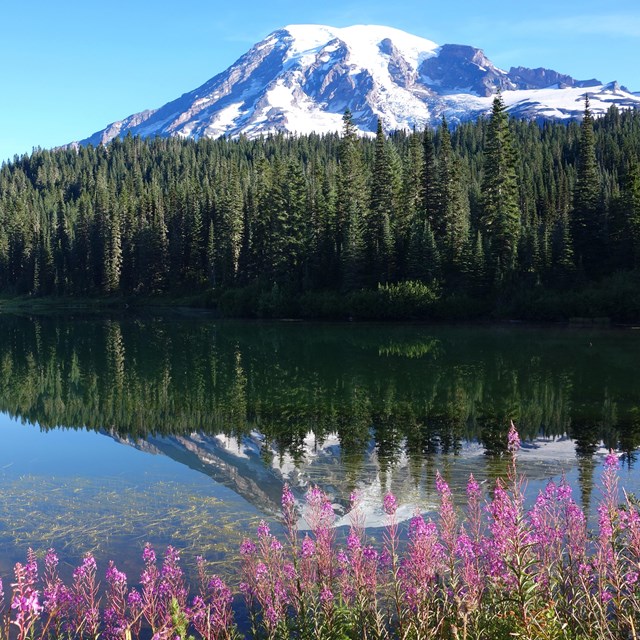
(412, 391)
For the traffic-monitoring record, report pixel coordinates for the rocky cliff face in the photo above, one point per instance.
(462, 69)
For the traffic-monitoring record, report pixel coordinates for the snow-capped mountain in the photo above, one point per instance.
(301, 79)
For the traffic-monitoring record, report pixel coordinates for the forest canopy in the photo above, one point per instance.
(499, 215)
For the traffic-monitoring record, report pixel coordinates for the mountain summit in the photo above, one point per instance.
(301, 79)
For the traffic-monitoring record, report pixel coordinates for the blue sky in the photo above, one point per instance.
(71, 67)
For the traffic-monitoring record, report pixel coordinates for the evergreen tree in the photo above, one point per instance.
(587, 218)
(423, 260)
(379, 243)
(430, 195)
(624, 225)
(452, 213)
(563, 259)
(113, 253)
(501, 217)
(293, 231)
(351, 206)
(411, 203)
(230, 227)
(157, 249)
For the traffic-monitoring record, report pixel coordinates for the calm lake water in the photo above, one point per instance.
(182, 430)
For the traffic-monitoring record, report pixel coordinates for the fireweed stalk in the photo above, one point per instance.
(491, 571)
(359, 576)
(511, 559)
(391, 556)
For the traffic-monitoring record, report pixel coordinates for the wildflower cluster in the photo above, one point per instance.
(46, 608)
(490, 569)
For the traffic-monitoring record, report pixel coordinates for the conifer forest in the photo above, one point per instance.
(493, 218)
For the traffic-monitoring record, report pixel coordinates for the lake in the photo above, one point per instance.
(182, 429)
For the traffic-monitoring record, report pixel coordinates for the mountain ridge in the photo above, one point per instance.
(301, 78)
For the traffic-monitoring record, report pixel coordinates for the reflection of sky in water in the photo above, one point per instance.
(26, 449)
(81, 491)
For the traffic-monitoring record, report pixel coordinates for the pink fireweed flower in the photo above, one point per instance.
(472, 579)
(211, 613)
(149, 555)
(288, 501)
(630, 523)
(27, 605)
(55, 594)
(508, 533)
(320, 516)
(275, 545)
(327, 600)
(307, 548)
(172, 580)
(263, 529)
(115, 614)
(423, 561)
(513, 439)
(261, 572)
(473, 488)
(390, 504)
(50, 560)
(557, 534)
(543, 517)
(369, 553)
(447, 513)
(464, 548)
(289, 514)
(326, 596)
(612, 461)
(474, 511)
(289, 571)
(85, 592)
(608, 515)
(247, 547)
(319, 513)
(115, 577)
(134, 599)
(25, 602)
(575, 530)
(386, 559)
(150, 581)
(353, 541)
(605, 564)
(87, 567)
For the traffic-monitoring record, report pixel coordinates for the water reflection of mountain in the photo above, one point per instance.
(243, 466)
(408, 392)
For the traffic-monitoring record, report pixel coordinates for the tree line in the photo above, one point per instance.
(480, 212)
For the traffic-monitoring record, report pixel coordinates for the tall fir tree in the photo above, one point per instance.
(587, 216)
(352, 206)
(429, 179)
(501, 216)
(451, 222)
(378, 240)
(411, 203)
